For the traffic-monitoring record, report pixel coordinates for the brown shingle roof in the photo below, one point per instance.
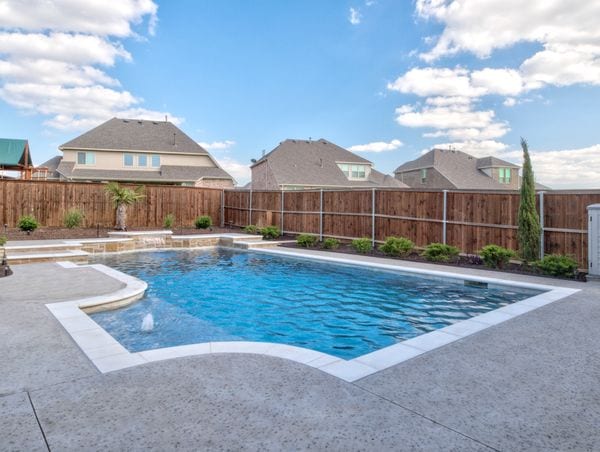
(136, 135)
(314, 163)
(460, 168)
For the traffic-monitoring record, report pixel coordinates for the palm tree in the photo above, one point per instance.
(123, 197)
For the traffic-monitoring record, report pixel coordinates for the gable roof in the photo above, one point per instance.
(12, 152)
(461, 169)
(136, 135)
(314, 162)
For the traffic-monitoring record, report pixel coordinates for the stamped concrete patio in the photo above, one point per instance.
(530, 383)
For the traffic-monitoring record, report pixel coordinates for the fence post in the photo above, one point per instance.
(282, 195)
(223, 208)
(445, 217)
(321, 217)
(373, 217)
(541, 225)
(250, 208)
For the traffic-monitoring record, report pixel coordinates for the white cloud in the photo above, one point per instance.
(53, 56)
(240, 172)
(217, 145)
(354, 16)
(567, 30)
(376, 146)
(96, 17)
(456, 121)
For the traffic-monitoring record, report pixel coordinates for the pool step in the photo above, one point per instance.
(259, 244)
(77, 256)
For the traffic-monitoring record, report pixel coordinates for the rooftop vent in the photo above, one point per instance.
(139, 122)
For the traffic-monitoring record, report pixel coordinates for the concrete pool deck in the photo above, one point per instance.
(528, 383)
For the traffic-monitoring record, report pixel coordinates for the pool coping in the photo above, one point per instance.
(108, 355)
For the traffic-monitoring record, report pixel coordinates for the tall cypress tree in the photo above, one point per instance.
(529, 231)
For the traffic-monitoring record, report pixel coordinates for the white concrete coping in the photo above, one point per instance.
(138, 233)
(48, 246)
(109, 355)
(57, 255)
(98, 240)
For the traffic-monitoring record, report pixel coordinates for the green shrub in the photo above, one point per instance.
(169, 221)
(73, 218)
(306, 240)
(28, 223)
(557, 265)
(270, 232)
(363, 245)
(331, 243)
(397, 246)
(495, 256)
(251, 229)
(2, 240)
(203, 222)
(438, 252)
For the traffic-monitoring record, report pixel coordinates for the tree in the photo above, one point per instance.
(528, 233)
(123, 197)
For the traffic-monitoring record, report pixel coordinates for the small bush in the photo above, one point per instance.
(557, 265)
(2, 240)
(495, 256)
(270, 232)
(73, 218)
(438, 252)
(307, 240)
(169, 221)
(28, 223)
(397, 246)
(331, 243)
(251, 229)
(363, 245)
(203, 222)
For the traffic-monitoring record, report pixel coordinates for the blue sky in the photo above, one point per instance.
(386, 78)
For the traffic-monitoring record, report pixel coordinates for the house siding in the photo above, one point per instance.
(214, 183)
(113, 160)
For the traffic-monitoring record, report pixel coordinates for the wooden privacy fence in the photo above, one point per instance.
(466, 219)
(49, 201)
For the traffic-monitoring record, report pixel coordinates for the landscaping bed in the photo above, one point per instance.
(461, 261)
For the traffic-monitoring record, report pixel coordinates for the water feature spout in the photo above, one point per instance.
(148, 323)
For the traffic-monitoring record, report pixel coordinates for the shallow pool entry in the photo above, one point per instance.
(343, 310)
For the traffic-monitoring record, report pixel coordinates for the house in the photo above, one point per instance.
(135, 150)
(452, 169)
(305, 164)
(15, 156)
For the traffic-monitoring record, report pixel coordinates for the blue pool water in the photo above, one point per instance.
(226, 295)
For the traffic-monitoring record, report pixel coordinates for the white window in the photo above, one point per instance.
(353, 171)
(142, 160)
(424, 175)
(86, 158)
(155, 161)
(504, 175)
(127, 159)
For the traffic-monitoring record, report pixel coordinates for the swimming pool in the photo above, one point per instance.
(346, 311)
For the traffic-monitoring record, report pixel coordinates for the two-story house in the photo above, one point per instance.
(306, 164)
(141, 151)
(452, 169)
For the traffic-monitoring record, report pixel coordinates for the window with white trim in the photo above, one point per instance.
(127, 159)
(424, 175)
(504, 175)
(86, 158)
(155, 161)
(353, 171)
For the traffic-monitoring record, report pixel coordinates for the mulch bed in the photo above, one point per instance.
(463, 261)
